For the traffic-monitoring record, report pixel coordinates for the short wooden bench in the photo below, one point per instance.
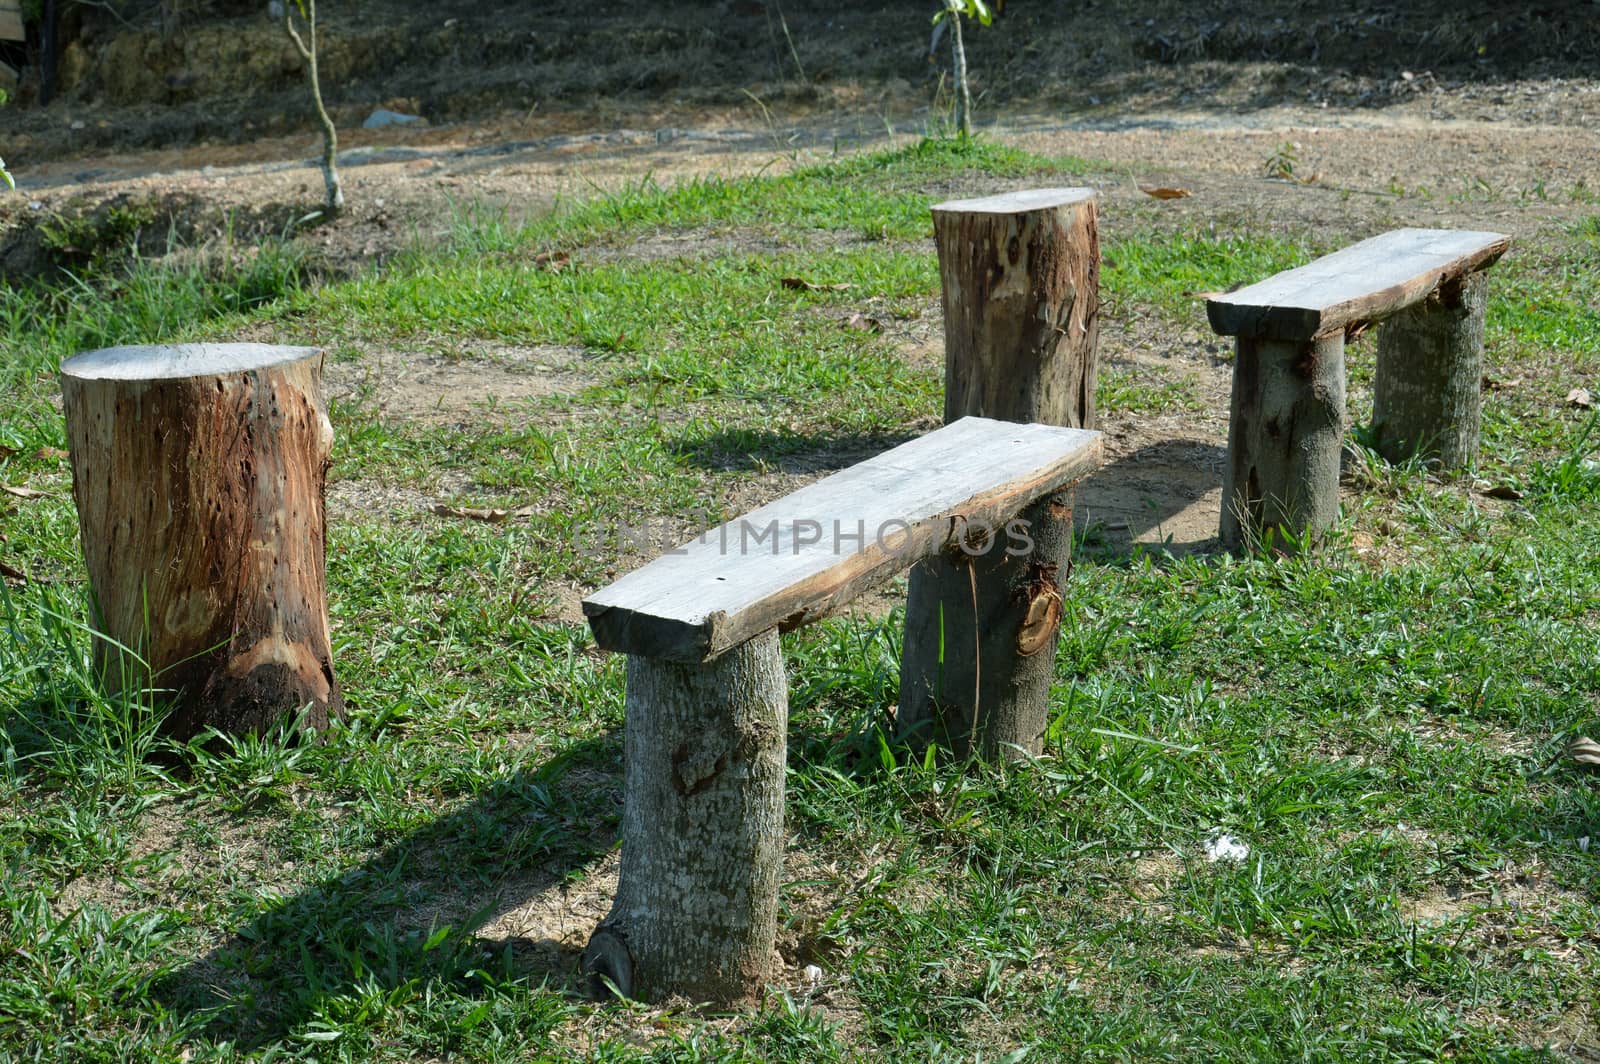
(707, 703)
(1287, 421)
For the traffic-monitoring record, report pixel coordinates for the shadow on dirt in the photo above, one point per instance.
(144, 76)
(1164, 496)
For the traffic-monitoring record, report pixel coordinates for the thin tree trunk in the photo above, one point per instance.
(1285, 436)
(963, 94)
(198, 472)
(1427, 396)
(333, 190)
(696, 912)
(1021, 282)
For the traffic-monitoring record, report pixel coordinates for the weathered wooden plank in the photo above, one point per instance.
(802, 557)
(11, 28)
(1020, 202)
(1363, 282)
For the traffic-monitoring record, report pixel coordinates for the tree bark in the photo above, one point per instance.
(198, 472)
(981, 634)
(696, 912)
(49, 50)
(1285, 436)
(1428, 391)
(1021, 285)
(1021, 282)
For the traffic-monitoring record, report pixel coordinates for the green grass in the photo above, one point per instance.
(1377, 729)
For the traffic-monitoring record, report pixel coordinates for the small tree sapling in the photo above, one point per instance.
(306, 45)
(955, 11)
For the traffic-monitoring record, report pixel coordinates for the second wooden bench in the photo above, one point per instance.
(1286, 428)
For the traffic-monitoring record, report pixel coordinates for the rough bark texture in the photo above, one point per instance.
(1428, 391)
(696, 912)
(1021, 313)
(1021, 305)
(984, 633)
(1284, 442)
(200, 503)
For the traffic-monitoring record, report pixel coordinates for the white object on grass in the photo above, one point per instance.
(1224, 847)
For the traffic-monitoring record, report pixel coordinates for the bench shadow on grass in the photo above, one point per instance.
(492, 887)
(740, 450)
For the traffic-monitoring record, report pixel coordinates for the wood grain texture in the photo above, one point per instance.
(1363, 282)
(198, 473)
(1020, 276)
(806, 555)
(696, 911)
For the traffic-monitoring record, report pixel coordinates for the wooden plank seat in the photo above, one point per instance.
(707, 703)
(1285, 434)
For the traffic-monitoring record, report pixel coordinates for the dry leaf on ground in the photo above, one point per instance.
(1580, 397)
(1584, 751)
(24, 493)
(859, 322)
(476, 513)
(554, 261)
(1492, 385)
(1166, 193)
(804, 285)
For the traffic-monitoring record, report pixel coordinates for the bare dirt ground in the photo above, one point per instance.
(1172, 100)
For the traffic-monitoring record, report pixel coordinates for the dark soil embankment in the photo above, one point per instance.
(128, 81)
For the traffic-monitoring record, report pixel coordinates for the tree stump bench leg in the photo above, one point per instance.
(696, 911)
(1285, 435)
(1427, 396)
(980, 640)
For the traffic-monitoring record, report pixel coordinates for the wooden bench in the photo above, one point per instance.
(1287, 420)
(707, 703)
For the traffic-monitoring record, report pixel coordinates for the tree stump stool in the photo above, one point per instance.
(198, 472)
(1285, 433)
(1020, 278)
